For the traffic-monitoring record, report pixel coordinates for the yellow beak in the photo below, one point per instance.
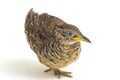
(81, 38)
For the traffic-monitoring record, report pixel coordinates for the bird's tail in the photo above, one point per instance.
(30, 17)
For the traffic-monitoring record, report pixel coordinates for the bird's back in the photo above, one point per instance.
(39, 29)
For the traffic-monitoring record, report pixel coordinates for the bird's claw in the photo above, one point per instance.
(59, 73)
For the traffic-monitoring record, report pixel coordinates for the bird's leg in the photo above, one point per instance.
(60, 73)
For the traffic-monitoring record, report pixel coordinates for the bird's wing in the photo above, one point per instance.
(40, 28)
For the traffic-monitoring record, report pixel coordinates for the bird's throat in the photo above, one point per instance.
(70, 42)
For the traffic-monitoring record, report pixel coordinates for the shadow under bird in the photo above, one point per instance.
(55, 42)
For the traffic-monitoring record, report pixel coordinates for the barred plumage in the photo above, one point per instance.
(57, 55)
(55, 42)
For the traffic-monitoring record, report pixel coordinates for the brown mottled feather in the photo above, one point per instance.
(41, 31)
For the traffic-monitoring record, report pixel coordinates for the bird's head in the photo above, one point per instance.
(71, 34)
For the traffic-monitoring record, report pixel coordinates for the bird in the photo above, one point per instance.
(55, 42)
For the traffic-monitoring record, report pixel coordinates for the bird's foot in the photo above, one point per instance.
(60, 73)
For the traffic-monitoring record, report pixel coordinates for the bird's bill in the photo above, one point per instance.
(81, 38)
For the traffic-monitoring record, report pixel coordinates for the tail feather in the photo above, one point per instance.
(29, 17)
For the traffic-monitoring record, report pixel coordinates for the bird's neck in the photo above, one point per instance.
(71, 45)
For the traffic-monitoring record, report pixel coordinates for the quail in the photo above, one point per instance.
(55, 42)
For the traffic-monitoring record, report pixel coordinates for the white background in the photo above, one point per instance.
(99, 20)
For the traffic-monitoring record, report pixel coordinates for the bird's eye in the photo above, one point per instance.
(70, 33)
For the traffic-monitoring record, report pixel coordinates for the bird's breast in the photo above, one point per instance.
(56, 55)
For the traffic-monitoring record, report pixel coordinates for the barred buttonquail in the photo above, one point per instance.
(55, 42)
